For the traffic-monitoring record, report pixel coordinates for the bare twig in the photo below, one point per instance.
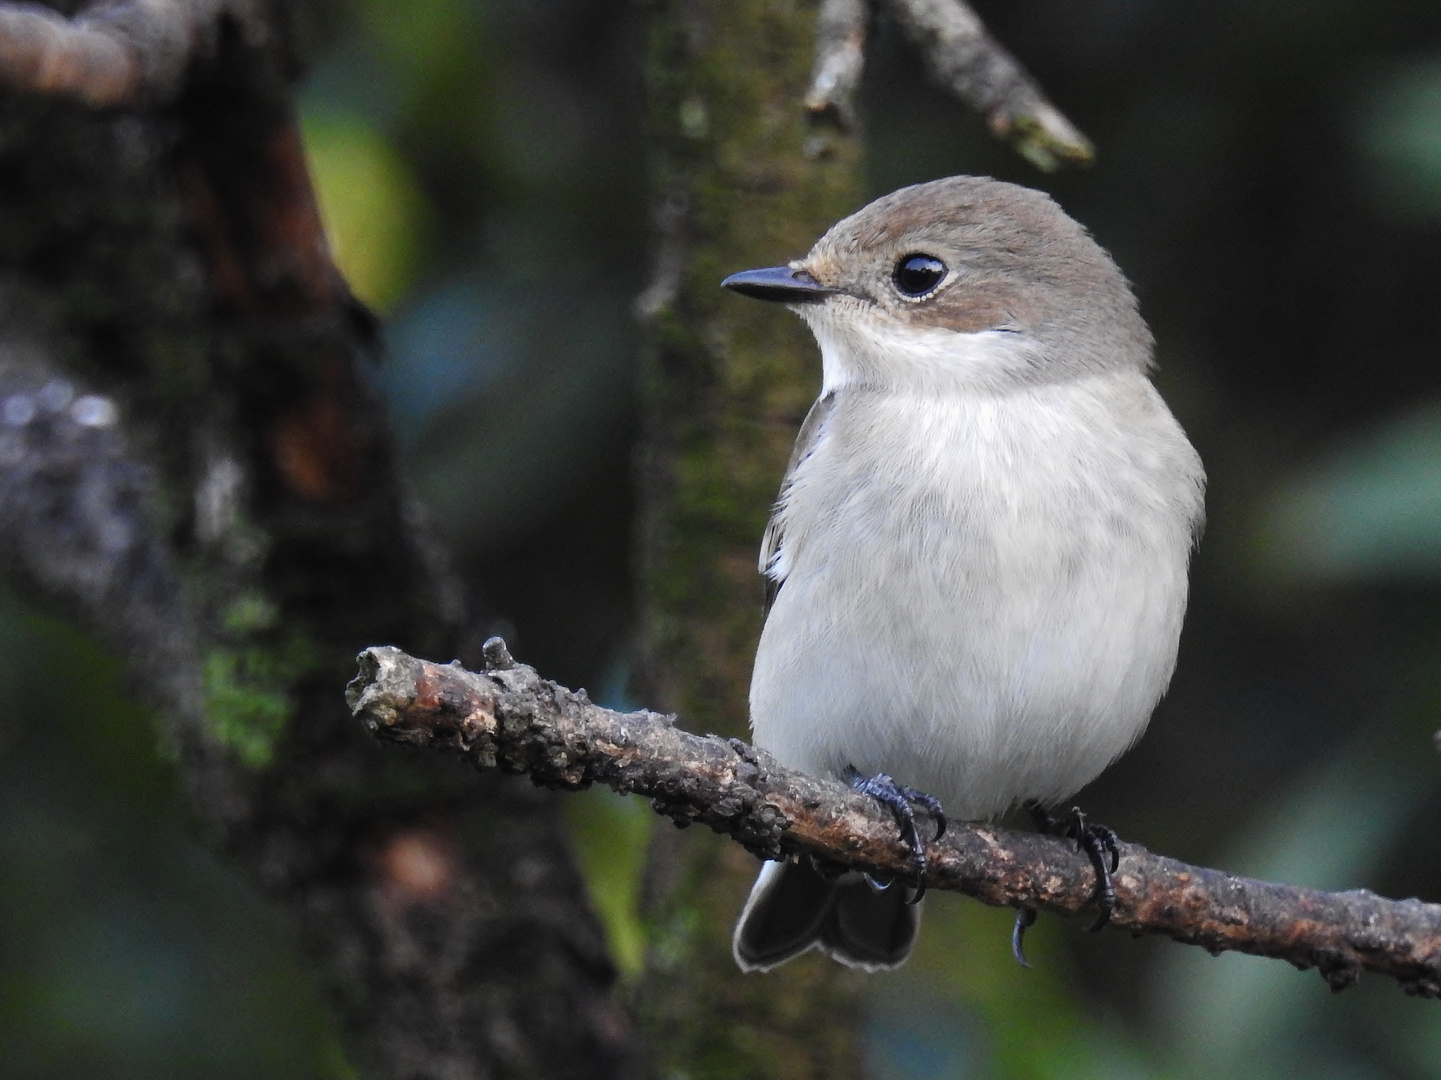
(965, 59)
(962, 57)
(510, 718)
(668, 259)
(840, 56)
(112, 54)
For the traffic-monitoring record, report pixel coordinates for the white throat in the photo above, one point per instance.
(857, 349)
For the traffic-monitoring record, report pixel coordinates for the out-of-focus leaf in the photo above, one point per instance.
(376, 214)
(1243, 1016)
(503, 404)
(920, 1035)
(456, 339)
(612, 833)
(129, 950)
(1027, 1022)
(1372, 509)
(1399, 136)
(422, 39)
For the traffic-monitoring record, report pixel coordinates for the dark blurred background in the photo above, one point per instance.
(1269, 176)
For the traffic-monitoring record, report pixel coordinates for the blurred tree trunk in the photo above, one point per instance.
(192, 465)
(741, 179)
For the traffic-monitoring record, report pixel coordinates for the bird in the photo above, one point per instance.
(977, 563)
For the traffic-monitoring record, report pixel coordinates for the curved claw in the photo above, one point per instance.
(1097, 842)
(898, 799)
(931, 804)
(1111, 842)
(1025, 919)
(1102, 847)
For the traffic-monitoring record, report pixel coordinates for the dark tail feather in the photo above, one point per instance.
(792, 909)
(872, 928)
(787, 910)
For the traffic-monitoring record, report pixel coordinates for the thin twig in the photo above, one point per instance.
(840, 57)
(510, 718)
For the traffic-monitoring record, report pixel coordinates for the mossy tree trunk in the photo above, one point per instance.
(742, 179)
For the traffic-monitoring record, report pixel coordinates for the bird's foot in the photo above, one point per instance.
(899, 799)
(1099, 843)
(1101, 846)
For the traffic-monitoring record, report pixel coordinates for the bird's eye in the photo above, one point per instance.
(917, 275)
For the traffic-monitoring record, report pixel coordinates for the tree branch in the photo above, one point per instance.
(840, 57)
(963, 58)
(510, 718)
(76, 521)
(966, 60)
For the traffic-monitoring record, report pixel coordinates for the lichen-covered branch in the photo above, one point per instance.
(508, 717)
(74, 521)
(113, 54)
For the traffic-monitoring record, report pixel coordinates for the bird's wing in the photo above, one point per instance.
(774, 536)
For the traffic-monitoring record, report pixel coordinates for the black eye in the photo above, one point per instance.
(916, 275)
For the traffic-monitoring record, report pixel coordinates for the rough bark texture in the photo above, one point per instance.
(508, 717)
(192, 466)
(742, 179)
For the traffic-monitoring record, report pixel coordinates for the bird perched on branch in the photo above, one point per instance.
(977, 562)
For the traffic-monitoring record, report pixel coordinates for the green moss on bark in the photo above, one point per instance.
(249, 675)
(726, 384)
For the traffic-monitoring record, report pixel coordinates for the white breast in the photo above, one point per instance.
(982, 591)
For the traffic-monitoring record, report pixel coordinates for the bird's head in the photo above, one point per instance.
(963, 283)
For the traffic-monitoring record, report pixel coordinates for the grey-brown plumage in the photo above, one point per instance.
(978, 557)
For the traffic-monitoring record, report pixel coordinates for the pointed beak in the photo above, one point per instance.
(781, 284)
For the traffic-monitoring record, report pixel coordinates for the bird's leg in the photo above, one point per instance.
(1100, 845)
(930, 804)
(898, 799)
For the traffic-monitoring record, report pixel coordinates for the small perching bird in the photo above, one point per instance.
(977, 562)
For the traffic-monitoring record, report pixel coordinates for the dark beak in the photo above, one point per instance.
(780, 284)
